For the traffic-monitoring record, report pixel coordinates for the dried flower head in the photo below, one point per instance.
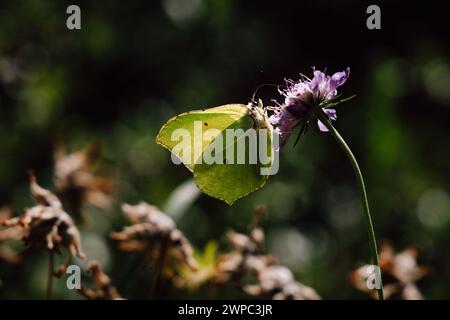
(75, 181)
(155, 234)
(399, 272)
(104, 290)
(47, 224)
(248, 259)
(303, 99)
(247, 255)
(278, 281)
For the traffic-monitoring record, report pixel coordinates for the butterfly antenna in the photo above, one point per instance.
(256, 86)
(261, 86)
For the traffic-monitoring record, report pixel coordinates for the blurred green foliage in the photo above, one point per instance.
(133, 65)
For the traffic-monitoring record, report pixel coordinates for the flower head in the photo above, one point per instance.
(303, 98)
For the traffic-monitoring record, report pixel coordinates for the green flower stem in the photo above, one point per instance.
(363, 193)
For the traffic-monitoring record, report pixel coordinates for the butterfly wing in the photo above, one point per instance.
(228, 179)
(218, 118)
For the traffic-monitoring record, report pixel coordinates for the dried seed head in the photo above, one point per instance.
(243, 264)
(399, 272)
(278, 281)
(47, 224)
(104, 290)
(155, 234)
(248, 260)
(75, 181)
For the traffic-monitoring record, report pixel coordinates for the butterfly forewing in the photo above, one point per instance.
(196, 123)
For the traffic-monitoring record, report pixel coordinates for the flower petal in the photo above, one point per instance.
(321, 126)
(338, 79)
(331, 113)
(318, 81)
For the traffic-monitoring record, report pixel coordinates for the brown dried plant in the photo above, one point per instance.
(47, 225)
(76, 183)
(206, 268)
(155, 235)
(248, 260)
(399, 272)
(104, 289)
(7, 235)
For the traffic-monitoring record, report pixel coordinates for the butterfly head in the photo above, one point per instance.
(258, 114)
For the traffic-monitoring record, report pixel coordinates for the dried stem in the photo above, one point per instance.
(50, 275)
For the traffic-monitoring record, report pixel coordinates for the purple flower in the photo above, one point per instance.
(302, 99)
